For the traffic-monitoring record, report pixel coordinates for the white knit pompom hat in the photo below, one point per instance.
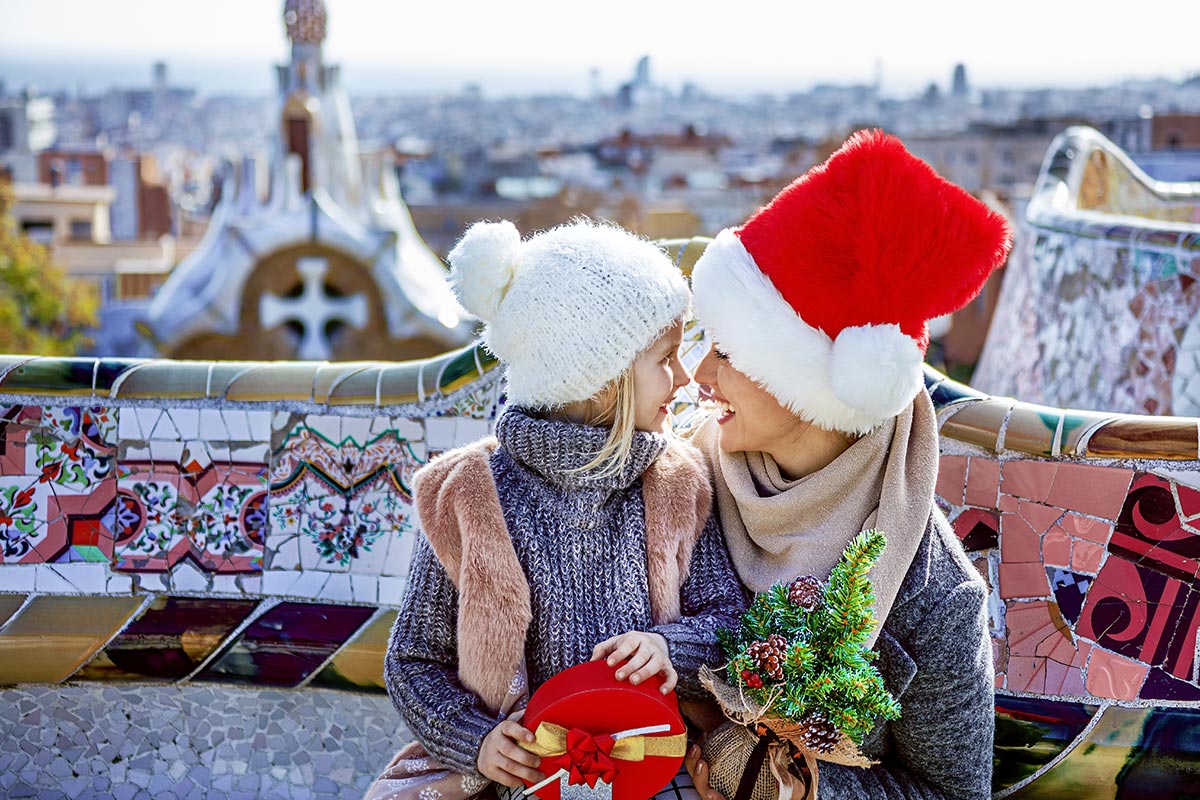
(568, 310)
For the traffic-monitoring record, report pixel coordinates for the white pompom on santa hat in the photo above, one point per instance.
(824, 295)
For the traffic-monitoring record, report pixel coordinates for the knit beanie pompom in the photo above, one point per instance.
(483, 264)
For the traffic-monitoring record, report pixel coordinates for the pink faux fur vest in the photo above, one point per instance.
(460, 512)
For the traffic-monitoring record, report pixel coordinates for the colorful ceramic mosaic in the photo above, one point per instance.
(215, 533)
(1100, 306)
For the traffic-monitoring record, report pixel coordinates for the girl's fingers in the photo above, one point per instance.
(626, 646)
(651, 667)
(516, 732)
(636, 662)
(519, 770)
(515, 752)
(505, 778)
(672, 680)
(603, 649)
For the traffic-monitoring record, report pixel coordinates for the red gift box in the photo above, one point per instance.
(591, 733)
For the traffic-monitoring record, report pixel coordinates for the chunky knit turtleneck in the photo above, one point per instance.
(580, 538)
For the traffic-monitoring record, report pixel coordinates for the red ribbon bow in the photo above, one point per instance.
(586, 759)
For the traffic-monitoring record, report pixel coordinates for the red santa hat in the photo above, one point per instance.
(824, 295)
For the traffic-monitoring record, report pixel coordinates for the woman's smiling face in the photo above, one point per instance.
(751, 419)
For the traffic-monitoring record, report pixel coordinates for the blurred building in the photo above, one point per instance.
(26, 128)
(321, 263)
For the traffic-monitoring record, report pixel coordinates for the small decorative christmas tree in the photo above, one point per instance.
(800, 653)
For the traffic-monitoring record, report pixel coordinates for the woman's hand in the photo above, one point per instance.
(502, 759)
(648, 656)
(697, 767)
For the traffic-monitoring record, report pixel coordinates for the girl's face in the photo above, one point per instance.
(751, 419)
(657, 375)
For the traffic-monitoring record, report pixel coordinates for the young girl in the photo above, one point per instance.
(582, 531)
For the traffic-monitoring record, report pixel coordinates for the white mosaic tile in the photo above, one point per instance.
(391, 590)
(187, 422)
(186, 578)
(364, 588)
(469, 430)
(17, 577)
(47, 580)
(439, 433)
(337, 589)
(89, 578)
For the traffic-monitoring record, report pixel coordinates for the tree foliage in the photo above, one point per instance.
(42, 310)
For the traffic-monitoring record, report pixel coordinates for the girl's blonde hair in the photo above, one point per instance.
(613, 407)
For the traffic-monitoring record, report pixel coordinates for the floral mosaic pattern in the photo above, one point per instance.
(341, 497)
(192, 488)
(56, 483)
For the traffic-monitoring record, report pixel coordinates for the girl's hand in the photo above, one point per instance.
(648, 656)
(697, 767)
(502, 759)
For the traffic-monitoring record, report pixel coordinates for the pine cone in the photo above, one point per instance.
(768, 656)
(818, 733)
(806, 593)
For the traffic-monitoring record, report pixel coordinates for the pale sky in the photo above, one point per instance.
(772, 44)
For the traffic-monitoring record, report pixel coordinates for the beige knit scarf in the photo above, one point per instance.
(778, 529)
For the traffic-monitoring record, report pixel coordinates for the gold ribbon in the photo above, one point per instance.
(551, 740)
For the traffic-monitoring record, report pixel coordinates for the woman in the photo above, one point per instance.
(818, 308)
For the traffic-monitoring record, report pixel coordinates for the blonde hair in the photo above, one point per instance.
(613, 407)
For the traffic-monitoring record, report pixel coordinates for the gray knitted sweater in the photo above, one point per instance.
(581, 540)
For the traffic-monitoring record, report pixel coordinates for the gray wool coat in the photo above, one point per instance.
(935, 656)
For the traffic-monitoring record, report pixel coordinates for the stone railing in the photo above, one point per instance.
(201, 562)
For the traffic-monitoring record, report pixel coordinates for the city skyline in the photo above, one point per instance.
(530, 47)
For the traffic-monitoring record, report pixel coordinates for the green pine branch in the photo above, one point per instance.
(826, 666)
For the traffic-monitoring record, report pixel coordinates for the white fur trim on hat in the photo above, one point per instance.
(482, 266)
(852, 385)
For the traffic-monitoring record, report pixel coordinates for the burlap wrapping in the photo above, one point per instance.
(728, 749)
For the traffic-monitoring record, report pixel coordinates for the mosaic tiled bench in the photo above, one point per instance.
(201, 561)
(1100, 306)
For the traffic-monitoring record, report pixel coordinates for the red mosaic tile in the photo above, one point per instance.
(952, 479)
(1189, 501)
(1063, 680)
(1029, 624)
(1000, 680)
(1009, 503)
(1039, 517)
(1056, 548)
(1058, 647)
(1093, 530)
(1083, 649)
(1098, 491)
(1113, 676)
(1149, 531)
(1086, 556)
(1029, 479)
(1027, 674)
(1023, 580)
(1019, 543)
(1037, 630)
(977, 529)
(983, 482)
